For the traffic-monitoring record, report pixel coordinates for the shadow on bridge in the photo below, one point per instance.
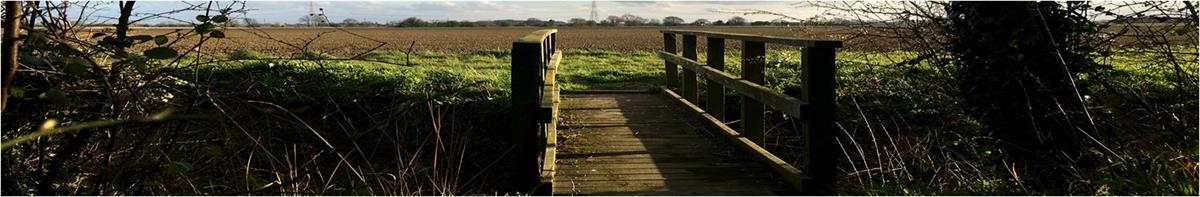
(637, 144)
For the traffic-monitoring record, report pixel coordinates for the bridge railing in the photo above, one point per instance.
(535, 105)
(814, 106)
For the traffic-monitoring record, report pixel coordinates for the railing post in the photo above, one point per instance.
(819, 80)
(528, 64)
(753, 61)
(716, 92)
(689, 76)
(672, 69)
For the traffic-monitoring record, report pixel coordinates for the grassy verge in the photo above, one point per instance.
(902, 130)
(437, 127)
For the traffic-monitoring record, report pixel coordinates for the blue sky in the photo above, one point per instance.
(383, 11)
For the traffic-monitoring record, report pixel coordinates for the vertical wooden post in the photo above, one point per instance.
(753, 61)
(820, 161)
(716, 92)
(689, 76)
(528, 63)
(672, 69)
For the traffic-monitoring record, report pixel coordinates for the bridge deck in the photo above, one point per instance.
(639, 144)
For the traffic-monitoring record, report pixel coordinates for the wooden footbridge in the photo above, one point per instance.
(662, 142)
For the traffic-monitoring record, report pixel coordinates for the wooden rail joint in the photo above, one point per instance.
(815, 106)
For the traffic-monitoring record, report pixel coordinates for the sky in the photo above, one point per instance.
(383, 11)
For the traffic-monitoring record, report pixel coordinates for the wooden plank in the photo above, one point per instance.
(643, 184)
(801, 42)
(567, 156)
(792, 176)
(550, 94)
(680, 165)
(646, 158)
(820, 82)
(670, 190)
(538, 36)
(786, 104)
(614, 147)
(548, 107)
(716, 171)
(639, 140)
(652, 176)
(624, 123)
(634, 91)
(659, 128)
(667, 143)
(672, 71)
(642, 135)
(526, 82)
(628, 116)
(689, 76)
(675, 191)
(551, 72)
(753, 61)
(716, 92)
(600, 147)
(534, 66)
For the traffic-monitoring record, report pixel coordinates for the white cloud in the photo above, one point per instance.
(383, 11)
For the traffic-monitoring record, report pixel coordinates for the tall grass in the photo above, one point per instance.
(438, 127)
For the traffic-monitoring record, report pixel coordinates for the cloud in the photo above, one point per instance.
(636, 3)
(434, 5)
(383, 11)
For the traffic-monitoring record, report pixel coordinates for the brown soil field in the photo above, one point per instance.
(345, 42)
(349, 41)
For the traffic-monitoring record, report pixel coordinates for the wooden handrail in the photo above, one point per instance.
(787, 104)
(535, 99)
(538, 36)
(814, 106)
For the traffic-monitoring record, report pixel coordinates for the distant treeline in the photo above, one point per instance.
(623, 20)
(610, 21)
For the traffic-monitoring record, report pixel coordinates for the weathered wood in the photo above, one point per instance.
(548, 104)
(534, 106)
(526, 82)
(786, 104)
(689, 76)
(820, 81)
(672, 155)
(539, 36)
(792, 176)
(610, 91)
(761, 38)
(549, 156)
(672, 71)
(551, 70)
(715, 91)
(753, 61)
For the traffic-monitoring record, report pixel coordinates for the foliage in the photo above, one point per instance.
(92, 86)
(1017, 65)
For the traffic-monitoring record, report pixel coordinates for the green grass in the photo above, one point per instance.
(874, 94)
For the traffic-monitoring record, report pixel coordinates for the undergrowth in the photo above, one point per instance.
(438, 126)
(901, 129)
